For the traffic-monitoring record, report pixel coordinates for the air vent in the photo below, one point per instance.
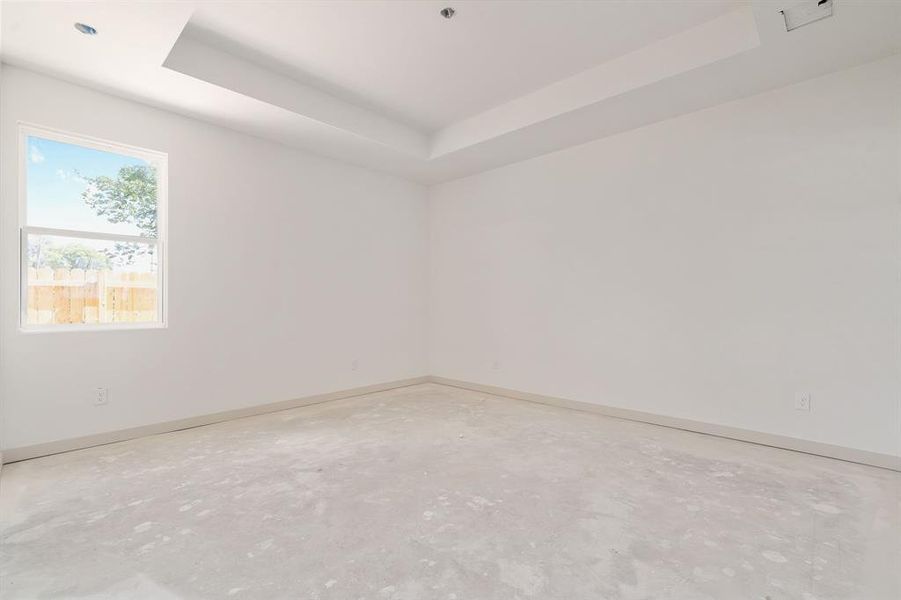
(806, 13)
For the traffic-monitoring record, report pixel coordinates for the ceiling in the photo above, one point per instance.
(404, 60)
(393, 86)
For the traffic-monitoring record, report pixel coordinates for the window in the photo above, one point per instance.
(93, 229)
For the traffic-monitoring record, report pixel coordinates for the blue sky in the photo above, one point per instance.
(54, 186)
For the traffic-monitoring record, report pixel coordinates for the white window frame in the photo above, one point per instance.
(160, 160)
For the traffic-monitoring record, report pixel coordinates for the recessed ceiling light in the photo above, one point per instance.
(85, 29)
(448, 12)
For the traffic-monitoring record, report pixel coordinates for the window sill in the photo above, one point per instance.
(33, 329)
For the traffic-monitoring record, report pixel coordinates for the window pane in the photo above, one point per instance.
(82, 189)
(72, 280)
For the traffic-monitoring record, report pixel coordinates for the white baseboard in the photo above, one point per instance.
(25, 452)
(873, 459)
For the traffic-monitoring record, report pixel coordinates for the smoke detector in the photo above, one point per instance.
(805, 13)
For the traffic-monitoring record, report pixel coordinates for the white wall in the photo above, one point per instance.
(341, 250)
(706, 267)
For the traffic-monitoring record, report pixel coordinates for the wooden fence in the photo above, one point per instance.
(87, 296)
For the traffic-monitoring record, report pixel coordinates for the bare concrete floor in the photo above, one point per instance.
(430, 492)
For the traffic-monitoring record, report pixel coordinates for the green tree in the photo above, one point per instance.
(70, 256)
(130, 197)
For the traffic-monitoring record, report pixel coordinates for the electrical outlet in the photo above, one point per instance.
(496, 366)
(101, 396)
(354, 364)
(803, 401)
